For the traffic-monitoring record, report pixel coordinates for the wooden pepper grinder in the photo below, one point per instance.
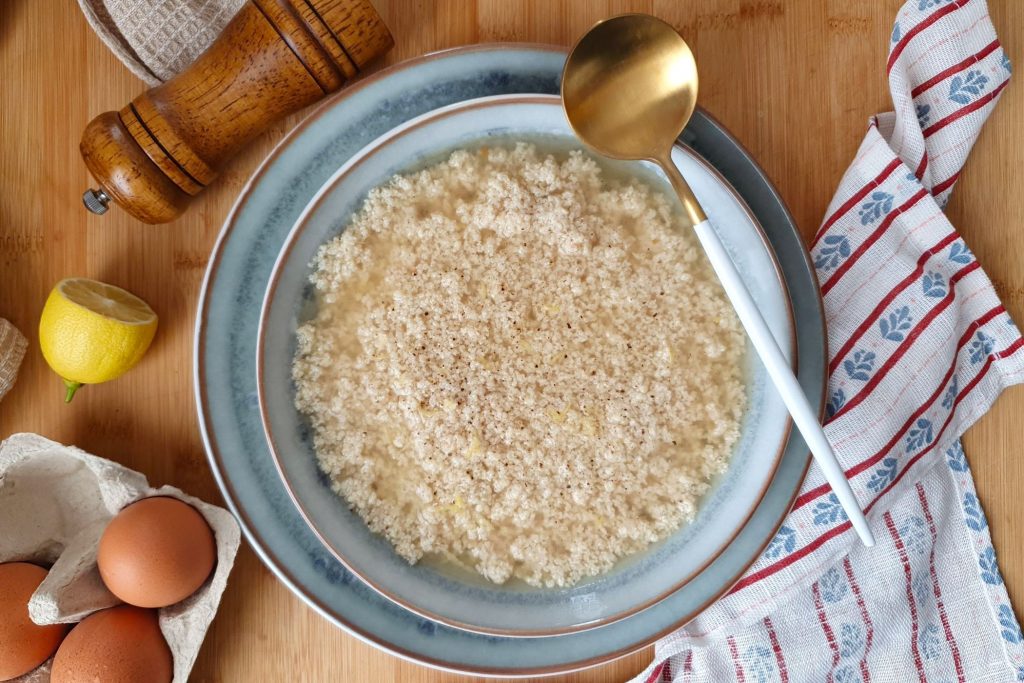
(275, 57)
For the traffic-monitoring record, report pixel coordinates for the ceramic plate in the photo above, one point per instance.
(225, 371)
(462, 598)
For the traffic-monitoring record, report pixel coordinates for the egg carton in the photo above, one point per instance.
(55, 502)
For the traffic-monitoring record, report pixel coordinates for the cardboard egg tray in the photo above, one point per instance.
(55, 502)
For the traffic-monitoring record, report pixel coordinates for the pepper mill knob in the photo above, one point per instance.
(273, 58)
(96, 201)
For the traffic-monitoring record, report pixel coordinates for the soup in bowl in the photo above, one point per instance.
(500, 381)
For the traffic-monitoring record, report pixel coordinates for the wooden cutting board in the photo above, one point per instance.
(794, 80)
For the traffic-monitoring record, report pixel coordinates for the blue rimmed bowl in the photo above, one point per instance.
(458, 597)
(225, 367)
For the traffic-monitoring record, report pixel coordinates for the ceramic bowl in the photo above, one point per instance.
(459, 597)
(227, 326)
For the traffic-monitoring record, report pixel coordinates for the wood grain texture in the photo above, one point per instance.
(795, 80)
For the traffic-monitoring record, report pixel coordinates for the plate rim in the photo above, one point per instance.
(276, 450)
(284, 574)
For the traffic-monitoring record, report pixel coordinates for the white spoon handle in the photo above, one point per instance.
(782, 376)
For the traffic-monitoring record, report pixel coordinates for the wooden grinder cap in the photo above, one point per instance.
(274, 58)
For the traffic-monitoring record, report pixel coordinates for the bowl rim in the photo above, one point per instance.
(283, 257)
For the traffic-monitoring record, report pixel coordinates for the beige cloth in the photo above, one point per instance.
(12, 351)
(158, 38)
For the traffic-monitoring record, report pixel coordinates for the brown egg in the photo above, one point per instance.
(117, 645)
(156, 552)
(24, 645)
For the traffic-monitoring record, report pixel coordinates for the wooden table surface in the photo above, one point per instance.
(794, 80)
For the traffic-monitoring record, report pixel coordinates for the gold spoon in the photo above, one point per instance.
(628, 88)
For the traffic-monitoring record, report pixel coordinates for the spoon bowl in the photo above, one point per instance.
(630, 86)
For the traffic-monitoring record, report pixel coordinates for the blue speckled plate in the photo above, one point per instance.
(225, 372)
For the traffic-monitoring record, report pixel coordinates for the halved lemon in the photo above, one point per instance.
(92, 332)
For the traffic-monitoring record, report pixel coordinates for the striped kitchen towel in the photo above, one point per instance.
(920, 348)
